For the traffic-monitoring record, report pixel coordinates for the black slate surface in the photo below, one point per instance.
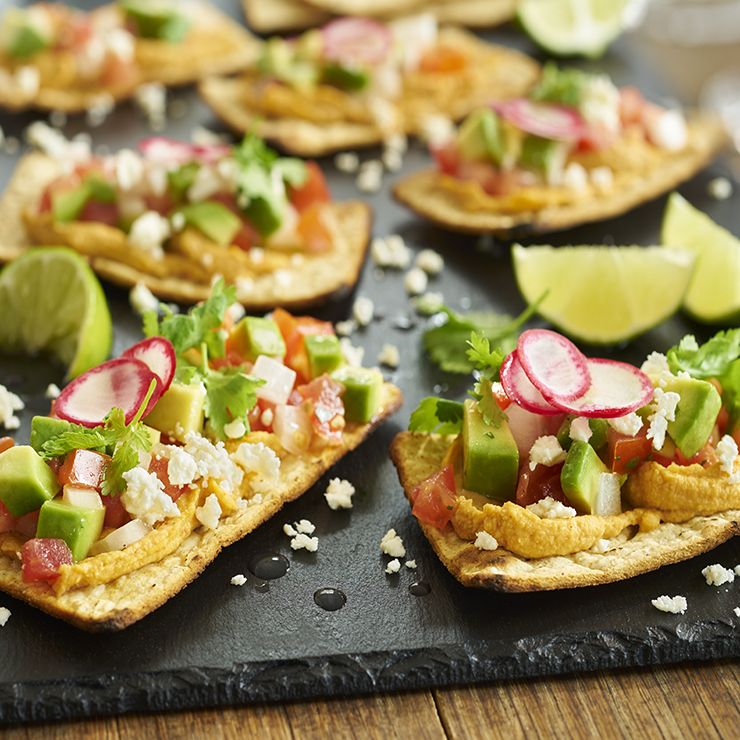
(216, 643)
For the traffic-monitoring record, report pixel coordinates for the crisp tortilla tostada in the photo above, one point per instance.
(575, 150)
(325, 91)
(162, 500)
(298, 247)
(57, 57)
(547, 531)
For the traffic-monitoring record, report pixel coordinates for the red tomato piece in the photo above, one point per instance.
(631, 106)
(314, 190)
(6, 443)
(502, 400)
(41, 558)
(162, 204)
(28, 524)
(158, 465)
(705, 457)
(542, 482)
(447, 158)
(119, 73)
(83, 468)
(313, 231)
(443, 59)
(324, 396)
(434, 498)
(294, 329)
(626, 453)
(115, 512)
(7, 520)
(104, 213)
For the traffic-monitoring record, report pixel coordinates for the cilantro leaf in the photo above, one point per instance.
(487, 405)
(76, 437)
(230, 394)
(564, 86)
(437, 415)
(710, 360)
(487, 361)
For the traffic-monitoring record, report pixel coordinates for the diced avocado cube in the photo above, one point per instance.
(324, 354)
(181, 179)
(490, 456)
(26, 481)
(66, 205)
(213, 219)
(78, 527)
(546, 155)
(179, 410)
(309, 46)
(21, 37)
(44, 428)
(265, 214)
(362, 392)
(157, 20)
(581, 476)
(345, 78)
(254, 336)
(597, 439)
(696, 413)
(480, 137)
(100, 190)
(277, 56)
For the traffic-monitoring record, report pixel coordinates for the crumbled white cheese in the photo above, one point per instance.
(129, 169)
(370, 176)
(213, 461)
(428, 303)
(673, 605)
(28, 79)
(436, 129)
(389, 356)
(549, 508)
(55, 144)
(390, 251)
(546, 450)
(727, 452)
(656, 367)
(141, 299)
(392, 159)
(305, 527)
(236, 312)
(580, 429)
(415, 281)
(720, 188)
(629, 424)
(602, 178)
(99, 109)
(238, 580)
(339, 494)
(151, 97)
(430, 261)
(345, 328)
(737, 611)
(289, 529)
(52, 391)
(485, 541)
(353, 355)
(664, 410)
(244, 287)
(410, 564)
(260, 463)
(303, 541)
(4, 615)
(600, 103)
(600, 546)
(9, 404)
(393, 566)
(716, 575)
(144, 497)
(668, 130)
(392, 545)
(347, 162)
(363, 310)
(575, 177)
(209, 514)
(181, 467)
(148, 233)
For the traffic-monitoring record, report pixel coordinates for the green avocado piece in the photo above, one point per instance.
(598, 427)
(44, 428)
(26, 481)
(490, 456)
(66, 205)
(265, 215)
(21, 37)
(581, 476)
(100, 190)
(156, 20)
(180, 409)
(77, 526)
(480, 137)
(254, 336)
(324, 354)
(543, 154)
(362, 392)
(696, 413)
(213, 219)
(345, 78)
(180, 179)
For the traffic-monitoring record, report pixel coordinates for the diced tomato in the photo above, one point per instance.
(447, 157)
(76, 30)
(542, 482)
(489, 177)
(158, 465)
(115, 512)
(246, 237)
(595, 138)
(118, 72)
(83, 468)
(104, 213)
(313, 231)
(434, 498)
(626, 453)
(705, 457)
(502, 400)
(259, 420)
(631, 106)
(28, 524)
(7, 520)
(324, 396)
(294, 329)
(443, 59)
(162, 204)
(314, 190)
(6, 443)
(41, 559)
(70, 181)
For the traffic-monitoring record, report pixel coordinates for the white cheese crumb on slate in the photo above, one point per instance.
(549, 508)
(4, 615)
(9, 404)
(389, 356)
(485, 541)
(430, 261)
(52, 391)
(546, 450)
(303, 541)
(716, 575)
(347, 162)
(305, 527)
(353, 355)
(411, 564)
(345, 328)
(674, 605)
(392, 544)
(415, 281)
(390, 252)
(339, 494)
(370, 176)
(720, 188)
(429, 303)
(393, 566)
(209, 514)
(141, 299)
(363, 310)
(737, 611)
(289, 530)
(238, 580)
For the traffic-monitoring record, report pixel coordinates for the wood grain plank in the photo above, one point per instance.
(96, 729)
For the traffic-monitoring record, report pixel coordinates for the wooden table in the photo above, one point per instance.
(691, 700)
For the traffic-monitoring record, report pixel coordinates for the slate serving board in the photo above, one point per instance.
(216, 643)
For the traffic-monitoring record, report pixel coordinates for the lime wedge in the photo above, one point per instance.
(600, 294)
(713, 296)
(573, 27)
(51, 300)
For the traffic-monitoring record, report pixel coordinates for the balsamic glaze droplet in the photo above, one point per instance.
(419, 588)
(330, 599)
(267, 566)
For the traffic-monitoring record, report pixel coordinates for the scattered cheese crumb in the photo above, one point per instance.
(144, 497)
(347, 162)
(363, 310)
(339, 494)
(392, 545)
(664, 410)
(238, 580)
(9, 404)
(716, 575)
(435, 129)
(259, 462)
(390, 251)
(485, 541)
(415, 281)
(52, 391)
(629, 424)
(737, 611)
(141, 299)
(600, 546)
(209, 514)
(148, 232)
(345, 328)
(430, 261)
(549, 508)
(410, 564)
(389, 356)
(305, 527)
(674, 605)
(720, 188)
(303, 541)
(289, 530)
(546, 450)
(429, 303)
(4, 615)
(151, 97)
(393, 566)
(727, 452)
(353, 355)
(580, 430)
(370, 176)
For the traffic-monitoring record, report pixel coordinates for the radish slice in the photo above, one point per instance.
(543, 119)
(122, 383)
(158, 354)
(556, 367)
(355, 40)
(616, 389)
(171, 151)
(519, 388)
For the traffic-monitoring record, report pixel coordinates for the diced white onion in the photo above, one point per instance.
(293, 428)
(122, 537)
(279, 379)
(82, 496)
(609, 497)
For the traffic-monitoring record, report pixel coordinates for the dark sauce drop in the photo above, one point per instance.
(419, 588)
(330, 599)
(268, 566)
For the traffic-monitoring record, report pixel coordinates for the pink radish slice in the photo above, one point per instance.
(548, 120)
(158, 354)
(355, 40)
(171, 151)
(520, 389)
(616, 389)
(121, 383)
(556, 367)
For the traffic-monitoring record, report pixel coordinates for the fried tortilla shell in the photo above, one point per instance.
(340, 120)
(269, 16)
(108, 607)
(463, 207)
(417, 456)
(180, 276)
